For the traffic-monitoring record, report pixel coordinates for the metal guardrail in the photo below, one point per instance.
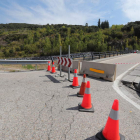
(90, 55)
(98, 55)
(23, 62)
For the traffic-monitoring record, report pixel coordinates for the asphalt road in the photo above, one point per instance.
(32, 107)
(127, 59)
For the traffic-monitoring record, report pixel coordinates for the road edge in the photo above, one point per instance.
(117, 89)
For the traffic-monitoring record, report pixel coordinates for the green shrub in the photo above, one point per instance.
(29, 66)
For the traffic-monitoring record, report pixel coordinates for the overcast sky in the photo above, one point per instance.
(72, 12)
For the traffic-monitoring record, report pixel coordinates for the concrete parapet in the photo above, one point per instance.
(99, 70)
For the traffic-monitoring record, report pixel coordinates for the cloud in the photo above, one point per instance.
(53, 12)
(131, 9)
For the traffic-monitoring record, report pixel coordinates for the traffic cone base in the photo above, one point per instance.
(74, 86)
(79, 95)
(53, 72)
(80, 108)
(99, 136)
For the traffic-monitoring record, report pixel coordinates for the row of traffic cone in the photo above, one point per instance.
(111, 129)
(53, 67)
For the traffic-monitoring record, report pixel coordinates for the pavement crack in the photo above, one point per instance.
(52, 122)
(70, 125)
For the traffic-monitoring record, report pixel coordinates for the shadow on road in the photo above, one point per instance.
(91, 138)
(72, 108)
(66, 87)
(73, 95)
(53, 79)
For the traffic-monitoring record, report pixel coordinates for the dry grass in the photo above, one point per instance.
(13, 68)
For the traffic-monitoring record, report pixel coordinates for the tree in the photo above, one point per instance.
(99, 23)
(68, 32)
(57, 43)
(132, 31)
(86, 24)
(91, 46)
(47, 45)
(130, 47)
(105, 24)
(36, 36)
(126, 45)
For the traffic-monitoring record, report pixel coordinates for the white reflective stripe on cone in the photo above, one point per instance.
(87, 91)
(114, 115)
(75, 74)
(84, 80)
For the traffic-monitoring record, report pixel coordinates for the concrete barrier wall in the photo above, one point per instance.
(75, 65)
(100, 70)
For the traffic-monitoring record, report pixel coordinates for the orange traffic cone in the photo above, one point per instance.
(83, 87)
(53, 68)
(75, 80)
(49, 67)
(111, 130)
(86, 105)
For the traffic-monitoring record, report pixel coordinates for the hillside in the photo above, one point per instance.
(22, 40)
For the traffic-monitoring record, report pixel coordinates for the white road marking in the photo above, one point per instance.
(116, 88)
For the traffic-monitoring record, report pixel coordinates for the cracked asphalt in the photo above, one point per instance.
(32, 107)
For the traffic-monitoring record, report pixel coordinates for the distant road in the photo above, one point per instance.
(130, 58)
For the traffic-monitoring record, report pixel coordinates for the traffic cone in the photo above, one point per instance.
(49, 67)
(82, 88)
(111, 130)
(53, 68)
(86, 105)
(75, 80)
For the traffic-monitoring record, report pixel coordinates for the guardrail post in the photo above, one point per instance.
(36, 67)
(105, 54)
(83, 57)
(99, 56)
(52, 58)
(92, 54)
(117, 53)
(109, 54)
